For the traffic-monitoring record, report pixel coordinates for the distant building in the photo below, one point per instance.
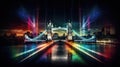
(108, 29)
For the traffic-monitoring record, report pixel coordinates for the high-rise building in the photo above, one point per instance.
(109, 29)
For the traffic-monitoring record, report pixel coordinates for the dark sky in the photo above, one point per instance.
(56, 10)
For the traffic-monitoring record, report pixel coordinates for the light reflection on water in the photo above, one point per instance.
(106, 49)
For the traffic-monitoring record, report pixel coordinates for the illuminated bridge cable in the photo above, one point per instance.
(84, 39)
(78, 34)
(39, 36)
(28, 38)
(36, 38)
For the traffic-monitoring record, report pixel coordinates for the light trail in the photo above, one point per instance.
(75, 54)
(28, 51)
(73, 45)
(49, 51)
(98, 53)
(47, 45)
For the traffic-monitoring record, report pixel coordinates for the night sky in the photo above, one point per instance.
(56, 10)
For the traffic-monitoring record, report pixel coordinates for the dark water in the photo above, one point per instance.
(84, 54)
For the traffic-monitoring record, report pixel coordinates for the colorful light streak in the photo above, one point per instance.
(24, 15)
(37, 16)
(88, 23)
(49, 51)
(83, 23)
(98, 53)
(75, 56)
(28, 51)
(73, 45)
(91, 17)
(45, 46)
(32, 24)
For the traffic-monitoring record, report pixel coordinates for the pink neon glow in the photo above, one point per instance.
(37, 15)
(29, 23)
(88, 22)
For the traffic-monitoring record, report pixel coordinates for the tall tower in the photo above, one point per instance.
(49, 30)
(69, 32)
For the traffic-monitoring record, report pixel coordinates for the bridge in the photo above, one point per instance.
(61, 49)
(50, 30)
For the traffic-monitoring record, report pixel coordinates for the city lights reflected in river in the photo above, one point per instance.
(74, 52)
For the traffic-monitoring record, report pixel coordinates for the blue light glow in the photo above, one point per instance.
(23, 14)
